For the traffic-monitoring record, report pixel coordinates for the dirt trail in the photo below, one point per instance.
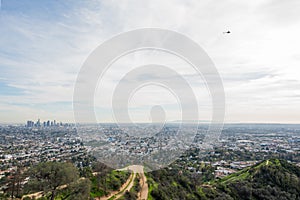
(136, 169)
(143, 194)
(127, 185)
(41, 193)
(33, 195)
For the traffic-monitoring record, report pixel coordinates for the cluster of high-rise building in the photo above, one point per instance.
(38, 123)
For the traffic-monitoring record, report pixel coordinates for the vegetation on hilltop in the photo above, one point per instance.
(63, 181)
(270, 179)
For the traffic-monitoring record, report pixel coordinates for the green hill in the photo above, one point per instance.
(270, 179)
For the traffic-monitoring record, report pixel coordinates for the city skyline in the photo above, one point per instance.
(43, 46)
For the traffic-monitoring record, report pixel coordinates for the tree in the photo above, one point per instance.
(14, 183)
(49, 176)
(80, 189)
(101, 172)
(86, 172)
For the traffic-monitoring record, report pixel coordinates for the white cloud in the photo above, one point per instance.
(258, 61)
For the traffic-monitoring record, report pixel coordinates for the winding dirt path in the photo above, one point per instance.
(40, 194)
(126, 186)
(136, 169)
(143, 194)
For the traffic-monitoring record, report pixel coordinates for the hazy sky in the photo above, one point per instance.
(43, 44)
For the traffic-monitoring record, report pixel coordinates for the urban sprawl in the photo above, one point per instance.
(239, 146)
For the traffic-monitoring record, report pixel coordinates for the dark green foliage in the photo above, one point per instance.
(172, 184)
(80, 189)
(86, 172)
(271, 179)
(107, 180)
(48, 176)
(129, 195)
(133, 193)
(4, 196)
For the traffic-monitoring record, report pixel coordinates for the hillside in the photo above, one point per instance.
(270, 179)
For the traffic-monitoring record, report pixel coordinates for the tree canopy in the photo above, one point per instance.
(49, 176)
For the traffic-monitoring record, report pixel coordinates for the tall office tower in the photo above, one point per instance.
(48, 123)
(54, 123)
(38, 123)
(29, 124)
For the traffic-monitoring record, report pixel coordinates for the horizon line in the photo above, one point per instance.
(169, 122)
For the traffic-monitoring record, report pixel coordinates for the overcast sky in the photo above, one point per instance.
(43, 45)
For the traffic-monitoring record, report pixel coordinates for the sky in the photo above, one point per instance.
(43, 45)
